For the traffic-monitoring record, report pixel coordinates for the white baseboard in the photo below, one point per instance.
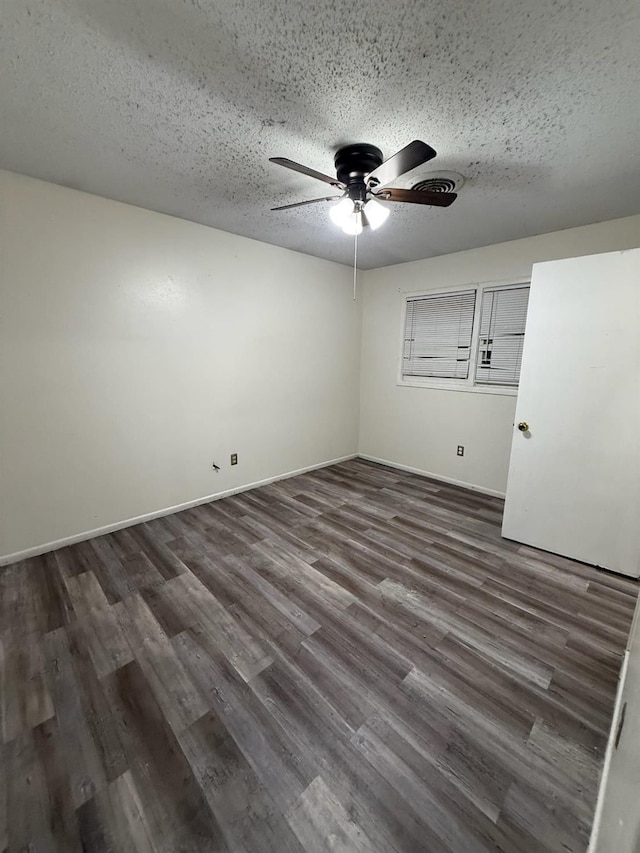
(492, 492)
(149, 516)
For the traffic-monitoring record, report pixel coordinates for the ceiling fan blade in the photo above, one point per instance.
(416, 196)
(414, 154)
(305, 170)
(310, 201)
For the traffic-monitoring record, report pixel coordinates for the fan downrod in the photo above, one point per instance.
(353, 163)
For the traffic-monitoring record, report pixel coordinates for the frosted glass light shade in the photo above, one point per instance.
(353, 225)
(376, 213)
(341, 212)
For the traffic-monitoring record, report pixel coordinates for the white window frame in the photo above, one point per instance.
(468, 384)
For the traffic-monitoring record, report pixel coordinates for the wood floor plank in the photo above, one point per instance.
(25, 700)
(468, 706)
(352, 659)
(86, 594)
(162, 605)
(58, 803)
(101, 725)
(314, 730)
(322, 823)
(92, 563)
(4, 794)
(56, 602)
(105, 639)
(288, 566)
(170, 797)
(284, 773)
(31, 825)
(253, 582)
(528, 700)
(21, 600)
(216, 627)
(451, 832)
(180, 699)
(152, 537)
(86, 768)
(127, 819)
(540, 818)
(243, 807)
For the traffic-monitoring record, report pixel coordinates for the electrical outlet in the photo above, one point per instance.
(460, 450)
(234, 458)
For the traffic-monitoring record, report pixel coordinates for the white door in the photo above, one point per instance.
(574, 475)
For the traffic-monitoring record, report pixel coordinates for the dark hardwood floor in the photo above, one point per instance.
(352, 660)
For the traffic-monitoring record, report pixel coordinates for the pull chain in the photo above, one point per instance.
(355, 264)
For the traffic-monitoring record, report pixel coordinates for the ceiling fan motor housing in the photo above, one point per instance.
(353, 163)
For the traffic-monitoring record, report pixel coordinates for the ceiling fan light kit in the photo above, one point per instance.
(363, 176)
(376, 213)
(342, 212)
(351, 216)
(353, 224)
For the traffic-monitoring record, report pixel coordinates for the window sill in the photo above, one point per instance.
(461, 385)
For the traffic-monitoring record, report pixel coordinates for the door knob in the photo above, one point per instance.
(523, 426)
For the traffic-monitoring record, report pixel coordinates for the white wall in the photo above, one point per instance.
(418, 427)
(136, 348)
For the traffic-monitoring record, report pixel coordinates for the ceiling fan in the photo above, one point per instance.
(363, 177)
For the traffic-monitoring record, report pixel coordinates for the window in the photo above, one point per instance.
(467, 339)
(504, 311)
(437, 340)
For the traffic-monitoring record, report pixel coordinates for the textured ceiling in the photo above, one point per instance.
(176, 105)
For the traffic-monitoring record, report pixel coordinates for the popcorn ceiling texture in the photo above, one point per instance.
(176, 106)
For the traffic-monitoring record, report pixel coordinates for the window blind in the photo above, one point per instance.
(501, 337)
(437, 335)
